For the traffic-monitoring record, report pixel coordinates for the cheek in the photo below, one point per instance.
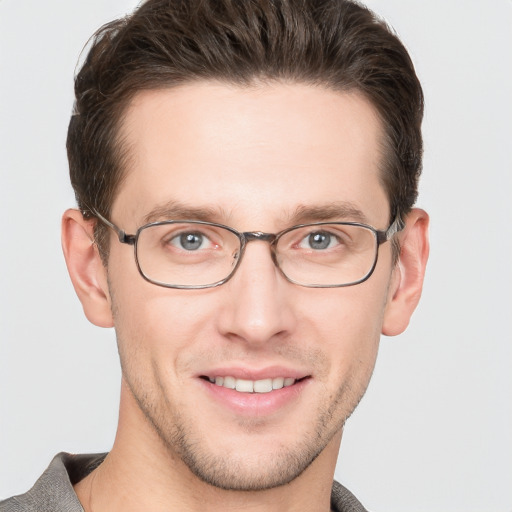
(347, 315)
(346, 324)
(147, 312)
(155, 325)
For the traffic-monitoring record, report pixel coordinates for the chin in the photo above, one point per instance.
(255, 461)
(250, 472)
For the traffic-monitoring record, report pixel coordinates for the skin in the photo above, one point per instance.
(253, 156)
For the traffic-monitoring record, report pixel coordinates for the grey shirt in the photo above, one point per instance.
(53, 492)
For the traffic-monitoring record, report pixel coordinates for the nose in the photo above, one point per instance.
(257, 306)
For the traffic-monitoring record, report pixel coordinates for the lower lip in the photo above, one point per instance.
(256, 404)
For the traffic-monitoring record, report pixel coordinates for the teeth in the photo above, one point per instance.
(244, 386)
(252, 386)
(263, 386)
(229, 382)
(278, 383)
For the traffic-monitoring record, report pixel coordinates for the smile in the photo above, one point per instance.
(252, 386)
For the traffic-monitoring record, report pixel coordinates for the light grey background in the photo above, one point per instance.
(434, 432)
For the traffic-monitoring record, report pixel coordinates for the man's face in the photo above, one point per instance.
(251, 158)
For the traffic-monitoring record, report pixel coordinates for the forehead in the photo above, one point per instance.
(251, 153)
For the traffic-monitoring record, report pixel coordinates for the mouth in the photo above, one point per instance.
(252, 386)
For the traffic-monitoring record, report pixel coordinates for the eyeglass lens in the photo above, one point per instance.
(198, 254)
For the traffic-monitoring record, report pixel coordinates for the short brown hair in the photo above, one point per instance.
(338, 44)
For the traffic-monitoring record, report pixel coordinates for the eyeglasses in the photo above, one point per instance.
(194, 254)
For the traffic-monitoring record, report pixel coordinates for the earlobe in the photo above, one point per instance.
(88, 275)
(407, 283)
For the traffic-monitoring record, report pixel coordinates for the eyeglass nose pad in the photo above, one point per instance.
(247, 237)
(236, 258)
(273, 255)
(238, 255)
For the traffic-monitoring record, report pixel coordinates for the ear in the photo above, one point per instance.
(407, 281)
(88, 275)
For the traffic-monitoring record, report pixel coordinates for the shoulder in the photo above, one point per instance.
(342, 500)
(54, 488)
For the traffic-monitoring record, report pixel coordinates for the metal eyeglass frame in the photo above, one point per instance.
(381, 236)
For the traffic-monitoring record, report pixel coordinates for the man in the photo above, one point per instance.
(262, 159)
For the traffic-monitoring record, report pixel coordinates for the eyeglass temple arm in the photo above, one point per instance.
(382, 236)
(397, 225)
(123, 237)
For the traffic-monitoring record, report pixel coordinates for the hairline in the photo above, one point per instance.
(124, 150)
(125, 155)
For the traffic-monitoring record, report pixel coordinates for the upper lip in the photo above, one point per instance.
(240, 372)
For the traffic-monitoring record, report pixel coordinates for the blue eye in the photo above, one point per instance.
(319, 241)
(189, 241)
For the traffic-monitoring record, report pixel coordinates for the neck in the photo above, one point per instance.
(141, 473)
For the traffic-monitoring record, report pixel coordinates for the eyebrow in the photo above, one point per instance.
(339, 210)
(303, 214)
(175, 210)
